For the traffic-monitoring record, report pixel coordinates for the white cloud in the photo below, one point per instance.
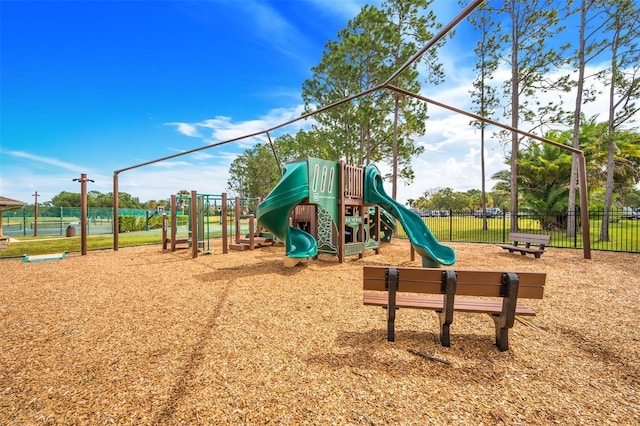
(345, 8)
(222, 128)
(186, 129)
(47, 185)
(45, 160)
(274, 29)
(171, 164)
(451, 159)
(201, 155)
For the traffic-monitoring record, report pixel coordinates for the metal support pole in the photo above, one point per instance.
(174, 221)
(225, 223)
(83, 212)
(116, 216)
(35, 215)
(584, 206)
(237, 220)
(193, 217)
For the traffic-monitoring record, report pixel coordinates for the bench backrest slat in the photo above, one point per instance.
(411, 280)
(469, 283)
(530, 238)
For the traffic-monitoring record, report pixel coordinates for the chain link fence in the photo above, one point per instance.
(58, 221)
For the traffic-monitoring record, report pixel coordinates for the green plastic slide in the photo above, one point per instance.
(419, 234)
(273, 213)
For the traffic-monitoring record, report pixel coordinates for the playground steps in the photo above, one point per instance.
(239, 246)
(244, 243)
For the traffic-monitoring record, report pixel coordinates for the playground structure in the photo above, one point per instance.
(199, 212)
(336, 210)
(198, 208)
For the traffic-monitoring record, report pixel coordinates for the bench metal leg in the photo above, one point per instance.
(502, 335)
(505, 320)
(391, 337)
(391, 279)
(449, 283)
(445, 336)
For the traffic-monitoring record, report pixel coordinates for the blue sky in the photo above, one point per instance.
(96, 86)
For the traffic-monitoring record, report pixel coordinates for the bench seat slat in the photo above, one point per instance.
(435, 303)
(511, 247)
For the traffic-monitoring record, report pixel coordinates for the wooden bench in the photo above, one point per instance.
(401, 287)
(539, 242)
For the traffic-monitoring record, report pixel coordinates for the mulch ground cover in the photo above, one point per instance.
(138, 336)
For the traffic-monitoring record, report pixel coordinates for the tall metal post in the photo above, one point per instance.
(193, 217)
(225, 224)
(35, 216)
(174, 221)
(116, 215)
(83, 212)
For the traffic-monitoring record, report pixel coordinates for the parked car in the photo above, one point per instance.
(490, 211)
(438, 213)
(634, 214)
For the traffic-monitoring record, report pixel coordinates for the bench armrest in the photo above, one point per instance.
(505, 320)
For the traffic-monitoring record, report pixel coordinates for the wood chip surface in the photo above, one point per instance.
(142, 337)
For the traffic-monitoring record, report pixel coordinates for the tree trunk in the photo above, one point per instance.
(515, 107)
(573, 183)
(608, 193)
(611, 144)
(484, 189)
(394, 172)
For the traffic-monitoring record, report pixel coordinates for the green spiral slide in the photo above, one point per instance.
(273, 213)
(433, 253)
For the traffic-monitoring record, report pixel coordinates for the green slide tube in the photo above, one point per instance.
(433, 253)
(273, 213)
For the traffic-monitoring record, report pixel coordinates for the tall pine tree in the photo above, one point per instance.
(382, 125)
(484, 95)
(623, 77)
(528, 30)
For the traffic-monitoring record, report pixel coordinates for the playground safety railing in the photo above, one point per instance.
(354, 179)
